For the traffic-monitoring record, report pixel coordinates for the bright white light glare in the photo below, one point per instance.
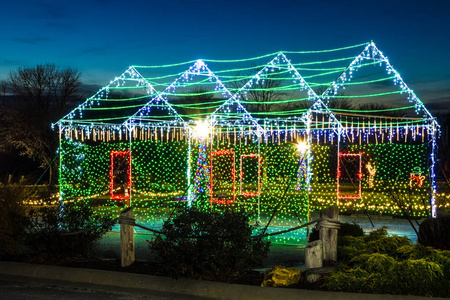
(201, 130)
(302, 147)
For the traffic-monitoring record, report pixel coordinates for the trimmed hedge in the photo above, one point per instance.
(377, 263)
(208, 245)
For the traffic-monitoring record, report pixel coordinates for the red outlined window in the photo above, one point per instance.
(250, 175)
(349, 175)
(223, 176)
(120, 175)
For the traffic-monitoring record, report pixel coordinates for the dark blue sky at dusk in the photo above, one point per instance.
(102, 38)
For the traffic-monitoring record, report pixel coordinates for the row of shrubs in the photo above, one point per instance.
(198, 243)
(195, 243)
(47, 232)
(379, 263)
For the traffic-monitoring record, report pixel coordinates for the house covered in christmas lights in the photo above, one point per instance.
(274, 137)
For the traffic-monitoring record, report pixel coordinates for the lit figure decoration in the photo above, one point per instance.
(416, 178)
(201, 179)
(302, 182)
(372, 171)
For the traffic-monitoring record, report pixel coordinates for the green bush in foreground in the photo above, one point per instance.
(53, 232)
(13, 218)
(208, 245)
(376, 241)
(377, 263)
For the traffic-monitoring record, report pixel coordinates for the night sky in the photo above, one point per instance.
(102, 38)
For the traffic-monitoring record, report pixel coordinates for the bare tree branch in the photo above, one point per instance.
(41, 95)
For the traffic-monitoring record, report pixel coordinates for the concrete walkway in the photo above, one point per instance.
(109, 248)
(287, 255)
(204, 289)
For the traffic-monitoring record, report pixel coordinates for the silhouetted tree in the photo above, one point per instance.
(336, 102)
(379, 109)
(3, 89)
(265, 92)
(41, 95)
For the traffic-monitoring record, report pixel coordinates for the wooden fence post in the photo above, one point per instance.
(313, 259)
(127, 237)
(328, 234)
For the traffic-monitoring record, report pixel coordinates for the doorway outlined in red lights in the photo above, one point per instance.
(233, 175)
(258, 160)
(120, 175)
(344, 160)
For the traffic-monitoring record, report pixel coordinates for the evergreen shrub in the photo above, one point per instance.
(378, 263)
(208, 245)
(66, 230)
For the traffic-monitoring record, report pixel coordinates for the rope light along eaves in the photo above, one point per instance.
(195, 94)
(115, 107)
(409, 121)
(276, 101)
(243, 77)
(97, 120)
(319, 75)
(200, 107)
(351, 83)
(218, 102)
(354, 115)
(164, 66)
(187, 84)
(238, 78)
(335, 69)
(369, 95)
(123, 99)
(174, 75)
(297, 64)
(143, 118)
(372, 111)
(294, 86)
(251, 58)
(125, 87)
(281, 113)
